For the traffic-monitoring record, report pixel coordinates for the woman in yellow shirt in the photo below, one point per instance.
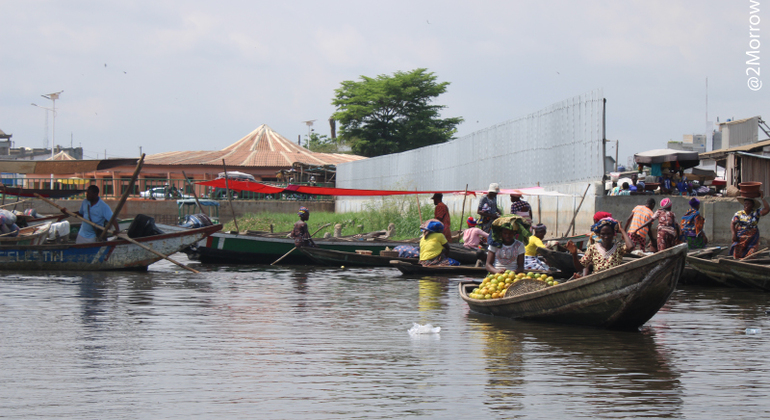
(433, 245)
(531, 262)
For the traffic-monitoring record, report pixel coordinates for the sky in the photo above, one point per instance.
(161, 76)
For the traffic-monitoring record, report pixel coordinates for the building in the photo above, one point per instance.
(746, 163)
(739, 132)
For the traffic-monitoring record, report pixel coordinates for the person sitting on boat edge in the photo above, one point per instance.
(433, 245)
(520, 207)
(300, 233)
(602, 255)
(745, 227)
(473, 237)
(95, 210)
(637, 226)
(531, 262)
(692, 226)
(488, 208)
(441, 213)
(505, 251)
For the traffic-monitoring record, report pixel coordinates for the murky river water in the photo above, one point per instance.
(317, 343)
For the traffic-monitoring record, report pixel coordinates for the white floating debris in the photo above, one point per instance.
(753, 331)
(423, 329)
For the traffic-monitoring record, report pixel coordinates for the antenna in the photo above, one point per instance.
(309, 123)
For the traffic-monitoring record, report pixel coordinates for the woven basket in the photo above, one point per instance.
(525, 286)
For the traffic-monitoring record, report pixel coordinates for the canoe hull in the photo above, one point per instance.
(748, 275)
(333, 257)
(415, 268)
(624, 297)
(111, 255)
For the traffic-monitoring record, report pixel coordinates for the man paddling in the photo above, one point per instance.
(96, 210)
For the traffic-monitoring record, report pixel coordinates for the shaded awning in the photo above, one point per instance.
(686, 159)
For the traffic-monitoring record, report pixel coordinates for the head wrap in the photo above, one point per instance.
(471, 222)
(515, 223)
(665, 203)
(538, 227)
(601, 215)
(435, 226)
(607, 221)
(694, 202)
(303, 210)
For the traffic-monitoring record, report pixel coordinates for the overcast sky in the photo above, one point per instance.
(191, 75)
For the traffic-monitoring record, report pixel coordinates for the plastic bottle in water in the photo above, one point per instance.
(753, 331)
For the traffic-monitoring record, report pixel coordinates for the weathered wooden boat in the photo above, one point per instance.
(353, 259)
(412, 267)
(110, 255)
(30, 235)
(30, 192)
(559, 260)
(623, 297)
(693, 277)
(265, 248)
(752, 273)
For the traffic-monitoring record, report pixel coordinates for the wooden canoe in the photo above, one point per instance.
(559, 260)
(449, 270)
(624, 297)
(751, 273)
(353, 259)
(31, 235)
(109, 255)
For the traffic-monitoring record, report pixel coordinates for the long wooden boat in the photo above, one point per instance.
(353, 259)
(559, 260)
(110, 255)
(410, 267)
(726, 271)
(623, 297)
(30, 192)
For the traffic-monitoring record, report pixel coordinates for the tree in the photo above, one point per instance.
(321, 143)
(390, 114)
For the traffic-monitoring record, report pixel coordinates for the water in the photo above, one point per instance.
(317, 343)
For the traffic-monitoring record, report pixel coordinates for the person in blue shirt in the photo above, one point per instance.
(97, 211)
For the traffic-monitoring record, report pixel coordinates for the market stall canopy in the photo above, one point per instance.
(686, 159)
(62, 166)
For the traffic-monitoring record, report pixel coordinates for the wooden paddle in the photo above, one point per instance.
(292, 250)
(754, 254)
(16, 202)
(121, 236)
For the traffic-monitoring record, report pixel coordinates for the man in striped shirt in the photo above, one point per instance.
(639, 216)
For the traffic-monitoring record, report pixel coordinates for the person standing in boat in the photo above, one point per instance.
(668, 225)
(95, 210)
(300, 233)
(745, 227)
(638, 226)
(531, 262)
(442, 215)
(505, 251)
(520, 207)
(604, 254)
(488, 208)
(692, 226)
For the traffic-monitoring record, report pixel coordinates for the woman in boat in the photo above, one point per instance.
(531, 262)
(692, 227)
(599, 215)
(474, 237)
(605, 254)
(505, 251)
(300, 233)
(744, 227)
(668, 227)
(433, 245)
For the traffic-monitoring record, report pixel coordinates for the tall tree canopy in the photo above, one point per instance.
(390, 114)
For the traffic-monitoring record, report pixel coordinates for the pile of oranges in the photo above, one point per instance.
(495, 285)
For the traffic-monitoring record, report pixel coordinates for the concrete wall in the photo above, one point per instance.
(166, 211)
(718, 214)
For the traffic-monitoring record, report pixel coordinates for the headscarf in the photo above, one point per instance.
(434, 226)
(471, 221)
(303, 210)
(607, 221)
(665, 203)
(538, 227)
(694, 202)
(515, 223)
(601, 215)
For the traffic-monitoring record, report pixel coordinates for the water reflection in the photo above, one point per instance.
(616, 372)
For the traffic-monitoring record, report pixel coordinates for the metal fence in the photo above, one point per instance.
(561, 143)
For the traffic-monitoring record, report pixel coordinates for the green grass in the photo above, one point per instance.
(399, 210)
